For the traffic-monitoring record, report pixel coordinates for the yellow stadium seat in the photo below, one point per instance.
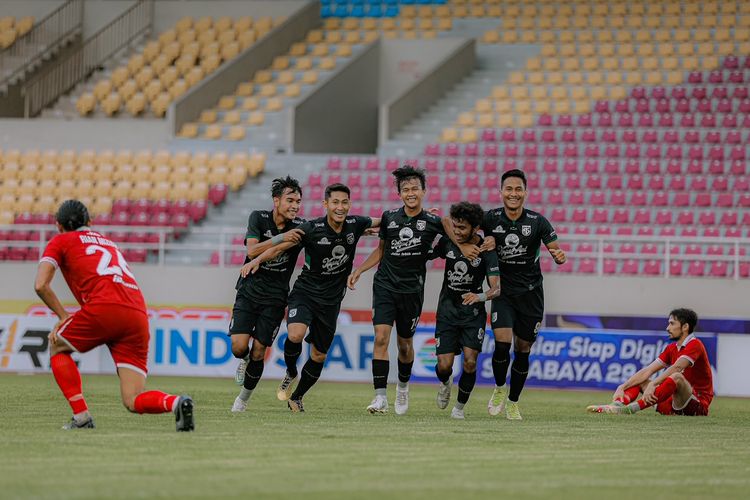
(245, 89)
(24, 25)
(230, 50)
(184, 23)
(187, 36)
(189, 130)
(85, 104)
(212, 132)
(227, 102)
(286, 77)
(303, 63)
(167, 37)
(232, 117)
(136, 104)
(268, 90)
(160, 104)
(256, 118)
(210, 64)
(263, 76)
(250, 104)
(111, 104)
(343, 50)
(102, 89)
(292, 90)
(310, 77)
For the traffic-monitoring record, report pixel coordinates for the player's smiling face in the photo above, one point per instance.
(675, 329)
(514, 193)
(411, 193)
(463, 231)
(337, 206)
(287, 205)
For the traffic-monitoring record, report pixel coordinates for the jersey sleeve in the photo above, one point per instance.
(692, 351)
(53, 253)
(439, 250)
(487, 224)
(492, 264)
(307, 228)
(383, 230)
(362, 223)
(548, 233)
(253, 227)
(665, 357)
(438, 224)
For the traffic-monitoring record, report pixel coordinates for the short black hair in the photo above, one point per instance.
(685, 316)
(72, 214)
(406, 173)
(278, 186)
(470, 212)
(516, 172)
(337, 187)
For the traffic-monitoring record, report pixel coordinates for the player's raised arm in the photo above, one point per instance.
(469, 250)
(269, 254)
(255, 247)
(368, 264)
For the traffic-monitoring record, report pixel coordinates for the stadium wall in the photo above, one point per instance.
(20, 8)
(414, 76)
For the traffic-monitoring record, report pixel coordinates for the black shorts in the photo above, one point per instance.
(402, 308)
(260, 321)
(523, 313)
(320, 318)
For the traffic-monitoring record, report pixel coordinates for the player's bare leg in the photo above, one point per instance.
(675, 386)
(380, 368)
(444, 372)
(241, 351)
(500, 364)
(466, 382)
(292, 352)
(310, 374)
(405, 363)
(137, 400)
(68, 378)
(251, 376)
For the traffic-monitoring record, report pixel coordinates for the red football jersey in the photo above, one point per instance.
(699, 372)
(94, 269)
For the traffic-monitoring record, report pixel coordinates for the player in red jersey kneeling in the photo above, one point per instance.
(686, 385)
(113, 313)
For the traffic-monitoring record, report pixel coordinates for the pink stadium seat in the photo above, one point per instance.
(489, 135)
(702, 200)
(624, 231)
(707, 218)
(664, 217)
(432, 150)
(629, 267)
(642, 216)
(729, 218)
(470, 165)
(372, 164)
(451, 149)
(697, 268)
(610, 266)
(334, 163)
(617, 198)
(491, 150)
(597, 198)
(652, 268)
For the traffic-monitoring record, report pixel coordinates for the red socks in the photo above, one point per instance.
(69, 379)
(631, 394)
(154, 402)
(662, 393)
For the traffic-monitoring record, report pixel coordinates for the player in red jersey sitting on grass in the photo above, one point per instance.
(113, 313)
(686, 385)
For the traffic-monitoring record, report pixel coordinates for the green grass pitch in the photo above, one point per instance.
(337, 450)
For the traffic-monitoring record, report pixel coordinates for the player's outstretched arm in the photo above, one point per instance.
(638, 378)
(557, 253)
(369, 263)
(44, 275)
(468, 250)
(253, 266)
(255, 247)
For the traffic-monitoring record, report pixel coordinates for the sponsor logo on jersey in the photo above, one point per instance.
(264, 214)
(392, 225)
(292, 312)
(459, 276)
(451, 255)
(337, 259)
(323, 241)
(512, 240)
(350, 238)
(531, 216)
(499, 229)
(319, 224)
(526, 230)
(268, 234)
(405, 241)
(421, 225)
(480, 335)
(351, 221)
(512, 248)
(278, 261)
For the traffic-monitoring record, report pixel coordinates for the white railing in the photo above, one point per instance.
(735, 250)
(36, 45)
(46, 88)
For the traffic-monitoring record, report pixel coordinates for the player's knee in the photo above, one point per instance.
(404, 350)
(678, 378)
(258, 352)
(380, 342)
(444, 366)
(317, 356)
(239, 352)
(470, 365)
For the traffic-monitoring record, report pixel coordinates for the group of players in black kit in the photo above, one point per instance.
(508, 252)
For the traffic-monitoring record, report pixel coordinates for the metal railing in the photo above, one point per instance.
(736, 251)
(45, 37)
(46, 88)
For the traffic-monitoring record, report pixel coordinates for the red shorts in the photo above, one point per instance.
(694, 408)
(123, 330)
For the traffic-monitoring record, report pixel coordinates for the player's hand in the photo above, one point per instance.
(293, 236)
(619, 394)
(488, 245)
(558, 255)
(648, 394)
(371, 231)
(470, 298)
(53, 333)
(250, 268)
(353, 278)
(470, 251)
(434, 211)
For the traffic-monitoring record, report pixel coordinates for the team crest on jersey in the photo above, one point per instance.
(324, 241)
(350, 238)
(526, 230)
(480, 335)
(392, 225)
(421, 225)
